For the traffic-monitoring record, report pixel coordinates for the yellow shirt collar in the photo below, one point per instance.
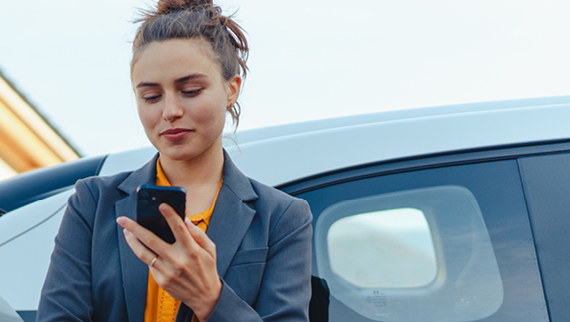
(203, 216)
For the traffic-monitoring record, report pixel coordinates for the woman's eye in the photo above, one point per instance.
(151, 99)
(192, 92)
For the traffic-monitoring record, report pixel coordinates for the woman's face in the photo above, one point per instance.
(182, 97)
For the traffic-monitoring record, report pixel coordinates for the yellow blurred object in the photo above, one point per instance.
(27, 140)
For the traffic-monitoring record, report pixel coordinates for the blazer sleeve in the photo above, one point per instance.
(66, 294)
(285, 292)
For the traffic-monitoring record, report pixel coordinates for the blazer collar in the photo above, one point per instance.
(232, 216)
(144, 175)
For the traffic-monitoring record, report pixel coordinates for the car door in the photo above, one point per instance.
(442, 238)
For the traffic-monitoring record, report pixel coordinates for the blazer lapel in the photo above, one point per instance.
(134, 271)
(232, 214)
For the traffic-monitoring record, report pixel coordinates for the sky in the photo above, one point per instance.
(309, 59)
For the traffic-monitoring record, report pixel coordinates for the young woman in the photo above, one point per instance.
(243, 253)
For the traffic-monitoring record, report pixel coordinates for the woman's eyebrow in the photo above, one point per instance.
(143, 84)
(189, 77)
(178, 81)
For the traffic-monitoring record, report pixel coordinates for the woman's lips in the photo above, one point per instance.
(175, 134)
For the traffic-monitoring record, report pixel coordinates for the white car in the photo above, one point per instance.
(454, 213)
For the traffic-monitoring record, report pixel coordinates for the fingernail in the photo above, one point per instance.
(162, 207)
(126, 232)
(189, 223)
(121, 221)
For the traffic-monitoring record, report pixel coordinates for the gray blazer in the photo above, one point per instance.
(262, 237)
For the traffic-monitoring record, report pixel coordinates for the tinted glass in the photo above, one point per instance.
(402, 235)
(486, 268)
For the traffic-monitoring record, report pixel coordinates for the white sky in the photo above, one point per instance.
(309, 59)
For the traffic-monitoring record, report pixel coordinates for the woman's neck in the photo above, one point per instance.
(199, 172)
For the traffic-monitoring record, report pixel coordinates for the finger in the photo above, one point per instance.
(144, 236)
(200, 237)
(175, 223)
(142, 252)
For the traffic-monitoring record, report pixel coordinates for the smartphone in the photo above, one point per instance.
(149, 197)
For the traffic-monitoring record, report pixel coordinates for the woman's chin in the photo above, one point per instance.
(178, 156)
(188, 152)
(182, 154)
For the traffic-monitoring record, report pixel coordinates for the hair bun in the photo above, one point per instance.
(167, 6)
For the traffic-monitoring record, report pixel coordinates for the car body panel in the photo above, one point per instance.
(7, 314)
(33, 242)
(396, 139)
(21, 220)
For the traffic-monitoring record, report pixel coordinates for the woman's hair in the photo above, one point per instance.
(188, 19)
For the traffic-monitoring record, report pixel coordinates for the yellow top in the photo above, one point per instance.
(160, 306)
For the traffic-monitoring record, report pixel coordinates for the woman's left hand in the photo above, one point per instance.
(186, 269)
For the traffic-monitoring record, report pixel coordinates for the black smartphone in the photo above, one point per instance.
(149, 197)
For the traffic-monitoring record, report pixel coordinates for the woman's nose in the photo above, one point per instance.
(172, 108)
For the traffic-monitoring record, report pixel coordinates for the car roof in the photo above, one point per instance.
(281, 154)
(264, 133)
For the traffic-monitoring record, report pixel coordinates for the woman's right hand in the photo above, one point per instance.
(186, 269)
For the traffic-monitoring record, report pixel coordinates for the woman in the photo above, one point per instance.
(254, 262)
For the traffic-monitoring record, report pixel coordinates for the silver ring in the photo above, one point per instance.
(152, 263)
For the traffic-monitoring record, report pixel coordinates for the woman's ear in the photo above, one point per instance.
(234, 87)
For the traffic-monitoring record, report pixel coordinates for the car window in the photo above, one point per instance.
(383, 243)
(442, 244)
(400, 234)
